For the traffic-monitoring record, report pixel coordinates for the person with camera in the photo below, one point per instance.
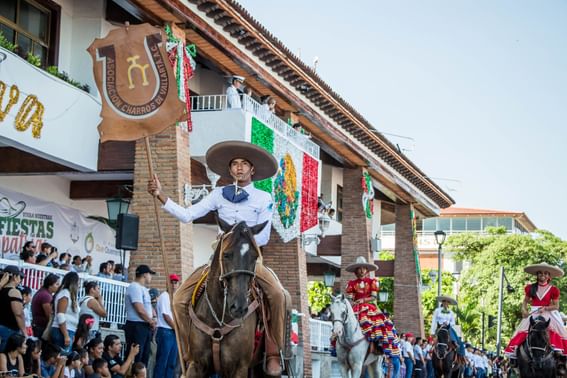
(12, 318)
(52, 362)
(47, 254)
(112, 350)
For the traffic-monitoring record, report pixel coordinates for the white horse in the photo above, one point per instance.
(352, 345)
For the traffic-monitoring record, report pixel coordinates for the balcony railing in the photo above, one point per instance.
(217, 103)
(113, 292)
(320, 332)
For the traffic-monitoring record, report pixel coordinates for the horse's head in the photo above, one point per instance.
(340, 312)
(443, 340)
(538, 339)
(236, 257)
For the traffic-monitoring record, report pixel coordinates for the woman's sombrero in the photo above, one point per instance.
(555, 271)
(361, 263)
(442, 298)
(221, 154)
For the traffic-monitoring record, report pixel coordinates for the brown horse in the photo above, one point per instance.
(445, 361)
(222, 332)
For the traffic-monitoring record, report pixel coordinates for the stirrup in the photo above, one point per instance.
(265, 365)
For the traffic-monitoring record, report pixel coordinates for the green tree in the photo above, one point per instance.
(429, 292)
(318, 296)
(479, 284)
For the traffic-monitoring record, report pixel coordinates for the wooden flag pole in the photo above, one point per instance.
(164, 258)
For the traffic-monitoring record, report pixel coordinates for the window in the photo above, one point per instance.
(506, 222)
(430, 224)
(489, 222)
(444, 224)
(32, 25)
(339, 203)
(473, 224)
(459, 224)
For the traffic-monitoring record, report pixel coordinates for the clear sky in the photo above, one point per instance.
(480, 85)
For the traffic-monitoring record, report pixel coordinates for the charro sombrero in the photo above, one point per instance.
(446, 298)
(361, 263)
(555, 271)
(221, 154)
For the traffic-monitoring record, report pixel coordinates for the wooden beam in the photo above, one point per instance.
(385, 268)
(80, 190)
(116, 156)
(18, 161)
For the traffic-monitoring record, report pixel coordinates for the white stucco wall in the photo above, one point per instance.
(203, 236)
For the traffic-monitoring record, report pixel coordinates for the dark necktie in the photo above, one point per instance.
(230, 193)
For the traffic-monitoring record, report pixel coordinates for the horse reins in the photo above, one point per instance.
(217, 334)
(447, 349)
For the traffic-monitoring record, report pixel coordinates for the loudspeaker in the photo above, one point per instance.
(127, 232)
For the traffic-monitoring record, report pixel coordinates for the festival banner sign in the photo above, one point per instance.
(137, 84)
(25, 218)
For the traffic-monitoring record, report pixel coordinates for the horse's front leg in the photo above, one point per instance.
(345, 372)
(356, 369)
(196, 370)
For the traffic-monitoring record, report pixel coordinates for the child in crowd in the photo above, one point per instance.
(11, 360)
(27, 297)
(73, 366)
(52, 364)
(138, 370)
(32, 363)
(82, 335)
(100, 367)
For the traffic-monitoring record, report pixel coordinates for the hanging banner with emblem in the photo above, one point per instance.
(136, 82)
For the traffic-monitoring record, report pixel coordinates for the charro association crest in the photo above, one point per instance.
(136, 83)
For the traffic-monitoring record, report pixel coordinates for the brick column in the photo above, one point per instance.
(408, 316)
(172, 163)
(288, 261)
(357, 229)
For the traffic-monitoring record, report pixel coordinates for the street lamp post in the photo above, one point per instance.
(510, 289)
(440, 239)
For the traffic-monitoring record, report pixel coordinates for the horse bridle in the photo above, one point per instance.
(447, 349)
(223, 277)
(529, 348)
(348, 346)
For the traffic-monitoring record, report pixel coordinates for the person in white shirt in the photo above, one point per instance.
(92, 304)
(443, 316)
(407, 354)
(243, 163)
(139, 314)
(232, 93)
(66, 309)
(166, 357)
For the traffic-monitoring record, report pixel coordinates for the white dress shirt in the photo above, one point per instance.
(233, 98)
(256, 209)
(163, 308)
(441, 318)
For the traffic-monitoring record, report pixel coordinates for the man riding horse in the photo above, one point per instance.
(541, 299)
(443, 315)
(376, 325)
(242, 163)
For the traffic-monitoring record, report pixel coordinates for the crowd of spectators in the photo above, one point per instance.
(50, 257)
(56, 333)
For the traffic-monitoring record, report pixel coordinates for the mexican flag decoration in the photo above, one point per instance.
(294, 334)
(367, 195)
(295, 185)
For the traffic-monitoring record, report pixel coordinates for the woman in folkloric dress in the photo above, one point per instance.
(363, 292)
(541, 299)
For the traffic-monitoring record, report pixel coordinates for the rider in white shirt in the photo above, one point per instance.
(443, 315)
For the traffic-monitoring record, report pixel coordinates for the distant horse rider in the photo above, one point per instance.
(243, 163)
(443, 315)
